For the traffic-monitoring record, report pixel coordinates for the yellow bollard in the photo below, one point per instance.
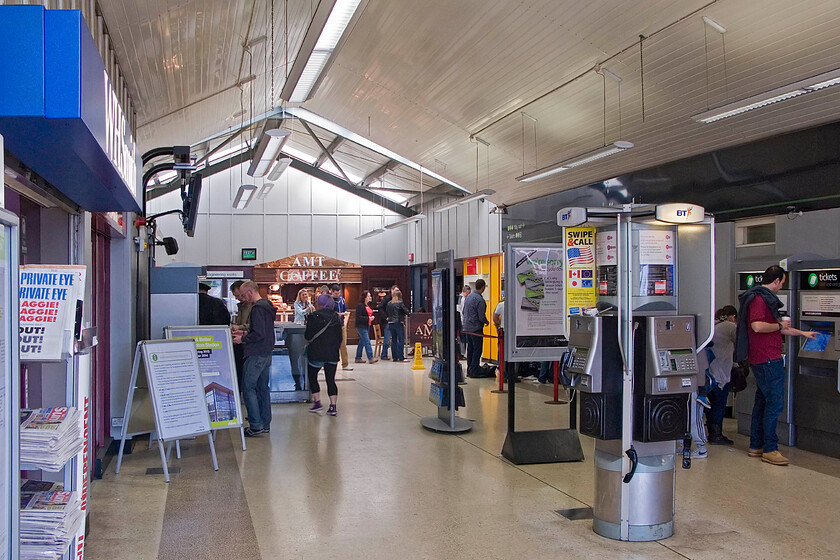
(418, 357)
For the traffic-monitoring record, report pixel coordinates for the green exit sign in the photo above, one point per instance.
(249, 254)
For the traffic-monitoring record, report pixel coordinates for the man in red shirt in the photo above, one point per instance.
(764, 327)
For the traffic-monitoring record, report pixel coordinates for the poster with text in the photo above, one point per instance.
(218, 371)
(49, 298)
(656, 246)
(537, 295)
(580, 270)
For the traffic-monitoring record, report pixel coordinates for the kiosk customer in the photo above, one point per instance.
(759, 338)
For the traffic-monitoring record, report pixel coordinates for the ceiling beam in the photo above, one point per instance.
(325, 151)
(334, 145)
(217, 167)
(390, 165)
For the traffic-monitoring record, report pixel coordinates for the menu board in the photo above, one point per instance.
(214, 348)
(176, 388)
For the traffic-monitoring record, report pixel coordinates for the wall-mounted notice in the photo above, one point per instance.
(820, 305)
(49, 298)
(536, 278)
(580, 267)
(218, 371)
(656, 246)
(605, 248)
(176, 388)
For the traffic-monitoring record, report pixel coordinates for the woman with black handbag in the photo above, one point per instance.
(323, 337)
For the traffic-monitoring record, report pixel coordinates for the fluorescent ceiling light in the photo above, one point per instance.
(279, 168)
(244, 196)
(405, 222)
(264, 190)
(480, 195)
(783, 93)
(371, 233)
(714, 25)
(267, 150)
(588, 157)
(339, 130)
(326, 34)
(225, 154)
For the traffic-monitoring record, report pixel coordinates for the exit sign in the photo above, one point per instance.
(249, 254)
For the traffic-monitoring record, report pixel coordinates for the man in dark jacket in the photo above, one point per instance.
(759, 338)
(474, 317)
(211, 310)
(257, 346)
(383, 321)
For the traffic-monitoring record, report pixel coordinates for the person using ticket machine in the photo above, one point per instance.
(760, 330)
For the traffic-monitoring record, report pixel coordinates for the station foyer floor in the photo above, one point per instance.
(372, 484)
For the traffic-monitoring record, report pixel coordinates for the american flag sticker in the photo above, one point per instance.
(580, 256)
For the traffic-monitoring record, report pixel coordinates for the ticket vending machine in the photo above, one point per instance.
(745, 399)
(635, 364)
(816, 391)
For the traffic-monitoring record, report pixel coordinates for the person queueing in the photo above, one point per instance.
(323, 334)
(341, 309)
(759, 338)
(396, 311)
(303, 306)
(383, 320)
(257, 346)
(364, 318)
(240, 324)
(723, 348)
(474, 317)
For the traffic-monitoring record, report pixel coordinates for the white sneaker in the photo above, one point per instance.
(699, 452)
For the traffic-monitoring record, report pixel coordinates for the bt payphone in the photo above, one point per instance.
(816, 406)
(635, 363)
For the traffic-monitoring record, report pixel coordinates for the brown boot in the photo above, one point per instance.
(373, 361)
(755, 452)
(775, 458)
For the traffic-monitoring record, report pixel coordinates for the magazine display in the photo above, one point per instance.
(49, 437)
(49, 520)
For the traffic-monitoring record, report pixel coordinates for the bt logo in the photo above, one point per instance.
(686, 212)
(566, 216)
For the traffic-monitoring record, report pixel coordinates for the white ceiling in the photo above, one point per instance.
(421, 78)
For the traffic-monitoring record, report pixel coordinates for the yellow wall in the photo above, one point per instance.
(490, 265)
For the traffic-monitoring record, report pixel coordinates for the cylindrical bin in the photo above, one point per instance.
(651, 514)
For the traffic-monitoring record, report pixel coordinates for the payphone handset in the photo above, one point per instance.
(594, 363)
(672, 355)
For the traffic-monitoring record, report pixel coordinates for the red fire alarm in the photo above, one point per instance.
(411, 257)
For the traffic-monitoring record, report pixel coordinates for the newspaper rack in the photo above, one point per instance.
(172, 402)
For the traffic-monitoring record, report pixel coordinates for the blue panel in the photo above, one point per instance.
(21, 60)
(92, 84)
(62, 65)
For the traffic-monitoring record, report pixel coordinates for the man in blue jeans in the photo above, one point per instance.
(257, 346)
(383, 321)
(760, 321)
(474, 318)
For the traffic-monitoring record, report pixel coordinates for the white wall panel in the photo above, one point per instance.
(482, 225)
(348, 229)
(277, 200)
(219, 240)
(219, 190)
(348, 203)
(396, 245)
(324, 231)
(324, 197)
(300, 193)
(300, 234)
(275, 238)
(247, 232)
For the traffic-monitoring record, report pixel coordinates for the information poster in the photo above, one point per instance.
(214, 348)
(580, 267)
(49, 297)
(606, 258)
(537, 296)
(656, 262)
(176, 389)
(437, 314)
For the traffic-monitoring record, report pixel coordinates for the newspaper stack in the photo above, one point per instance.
(49, 520)
(49, 437)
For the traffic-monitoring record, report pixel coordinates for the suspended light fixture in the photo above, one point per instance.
(279, 168)
(588, 157)
(325, 36)
(405, 222)
(480, 195)
(267, 150)
(264, 190)
(244, 196)
(371, 233)
(815, 83)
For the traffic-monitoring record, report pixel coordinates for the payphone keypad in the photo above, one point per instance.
(678, 361)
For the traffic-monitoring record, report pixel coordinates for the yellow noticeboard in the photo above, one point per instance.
(580, 269)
